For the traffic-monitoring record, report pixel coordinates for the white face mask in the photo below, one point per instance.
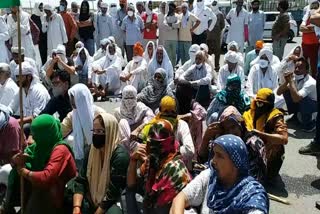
(113, 10)
(263, 63)
(137, 58)
(61, 8)
(200, 5)
(199, 66)
(215, 8)
(130, 13)
(111, 57)
(298, 77)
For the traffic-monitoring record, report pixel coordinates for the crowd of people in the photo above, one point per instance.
(190, 135)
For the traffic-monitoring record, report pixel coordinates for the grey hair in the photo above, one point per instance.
(5, 68)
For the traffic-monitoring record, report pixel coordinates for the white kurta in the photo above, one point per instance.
(7, 91)
(256, 80)
(4, 36)
(236, 29)
(139, 74)
(56, 31)
(33, 102)
(111, 76)
(26, 39)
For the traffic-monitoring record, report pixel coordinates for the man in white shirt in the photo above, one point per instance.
(4, 36)
(300, 93)
(35, 96)
(104, 27)
(55, 28)
(161, 25)
(206, 16)
(238, 21)
(108, 71)
(8, 88)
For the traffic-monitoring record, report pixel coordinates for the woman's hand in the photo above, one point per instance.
(140, 153)
(213, 130)
(20, 159)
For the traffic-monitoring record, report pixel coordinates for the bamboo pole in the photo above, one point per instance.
(21, 108)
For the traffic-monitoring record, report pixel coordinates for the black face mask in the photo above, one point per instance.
(98, 140)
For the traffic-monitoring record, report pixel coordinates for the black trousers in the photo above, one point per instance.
(199, 39)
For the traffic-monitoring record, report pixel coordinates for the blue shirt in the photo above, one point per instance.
(133, 29)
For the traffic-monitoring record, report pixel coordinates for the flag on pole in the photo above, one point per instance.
(9, 3)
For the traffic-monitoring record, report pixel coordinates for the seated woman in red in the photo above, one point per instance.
(48, 164)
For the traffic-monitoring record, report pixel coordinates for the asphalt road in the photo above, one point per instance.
(300, 178)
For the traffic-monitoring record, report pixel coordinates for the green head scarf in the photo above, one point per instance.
(233, 95)
(47, 133)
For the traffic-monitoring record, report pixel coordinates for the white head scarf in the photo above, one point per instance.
(199, 8)
(48, 7)
(26, 69)
(145, 54)
(292, 51)
(193, 52)
(82, 118)
(312, 1)
(78, 61)
(148, 11)
(36, 10)
(79, 45)
(166, 63)
(204, 47)
(112, 39)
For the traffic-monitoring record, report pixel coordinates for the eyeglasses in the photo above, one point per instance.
(98, 131)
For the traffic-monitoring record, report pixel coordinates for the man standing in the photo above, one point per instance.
(121, 14)
(4, 36)
(75, 11)
(150, 20)
(280, 29)
(26, 39)
(214, 36)
(133, 27)
(257, 21)
(70, 25)
(187, 24)
(55, 28)
(104, 27)
(206, 16)
(140, 8)
(238, 21)
(161, 25)
(171, 36)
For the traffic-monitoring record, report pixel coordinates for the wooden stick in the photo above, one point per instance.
(21, 108)
(278, 199)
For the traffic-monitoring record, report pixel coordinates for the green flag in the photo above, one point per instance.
(9, 3)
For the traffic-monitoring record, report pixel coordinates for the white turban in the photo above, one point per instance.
(231, 57)
(103, 5)
(48, 7)
(233, 44)
(112, 39)
(267, 52)
(204, 47)
(16, 50)
(5, 67)
(26, 69)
